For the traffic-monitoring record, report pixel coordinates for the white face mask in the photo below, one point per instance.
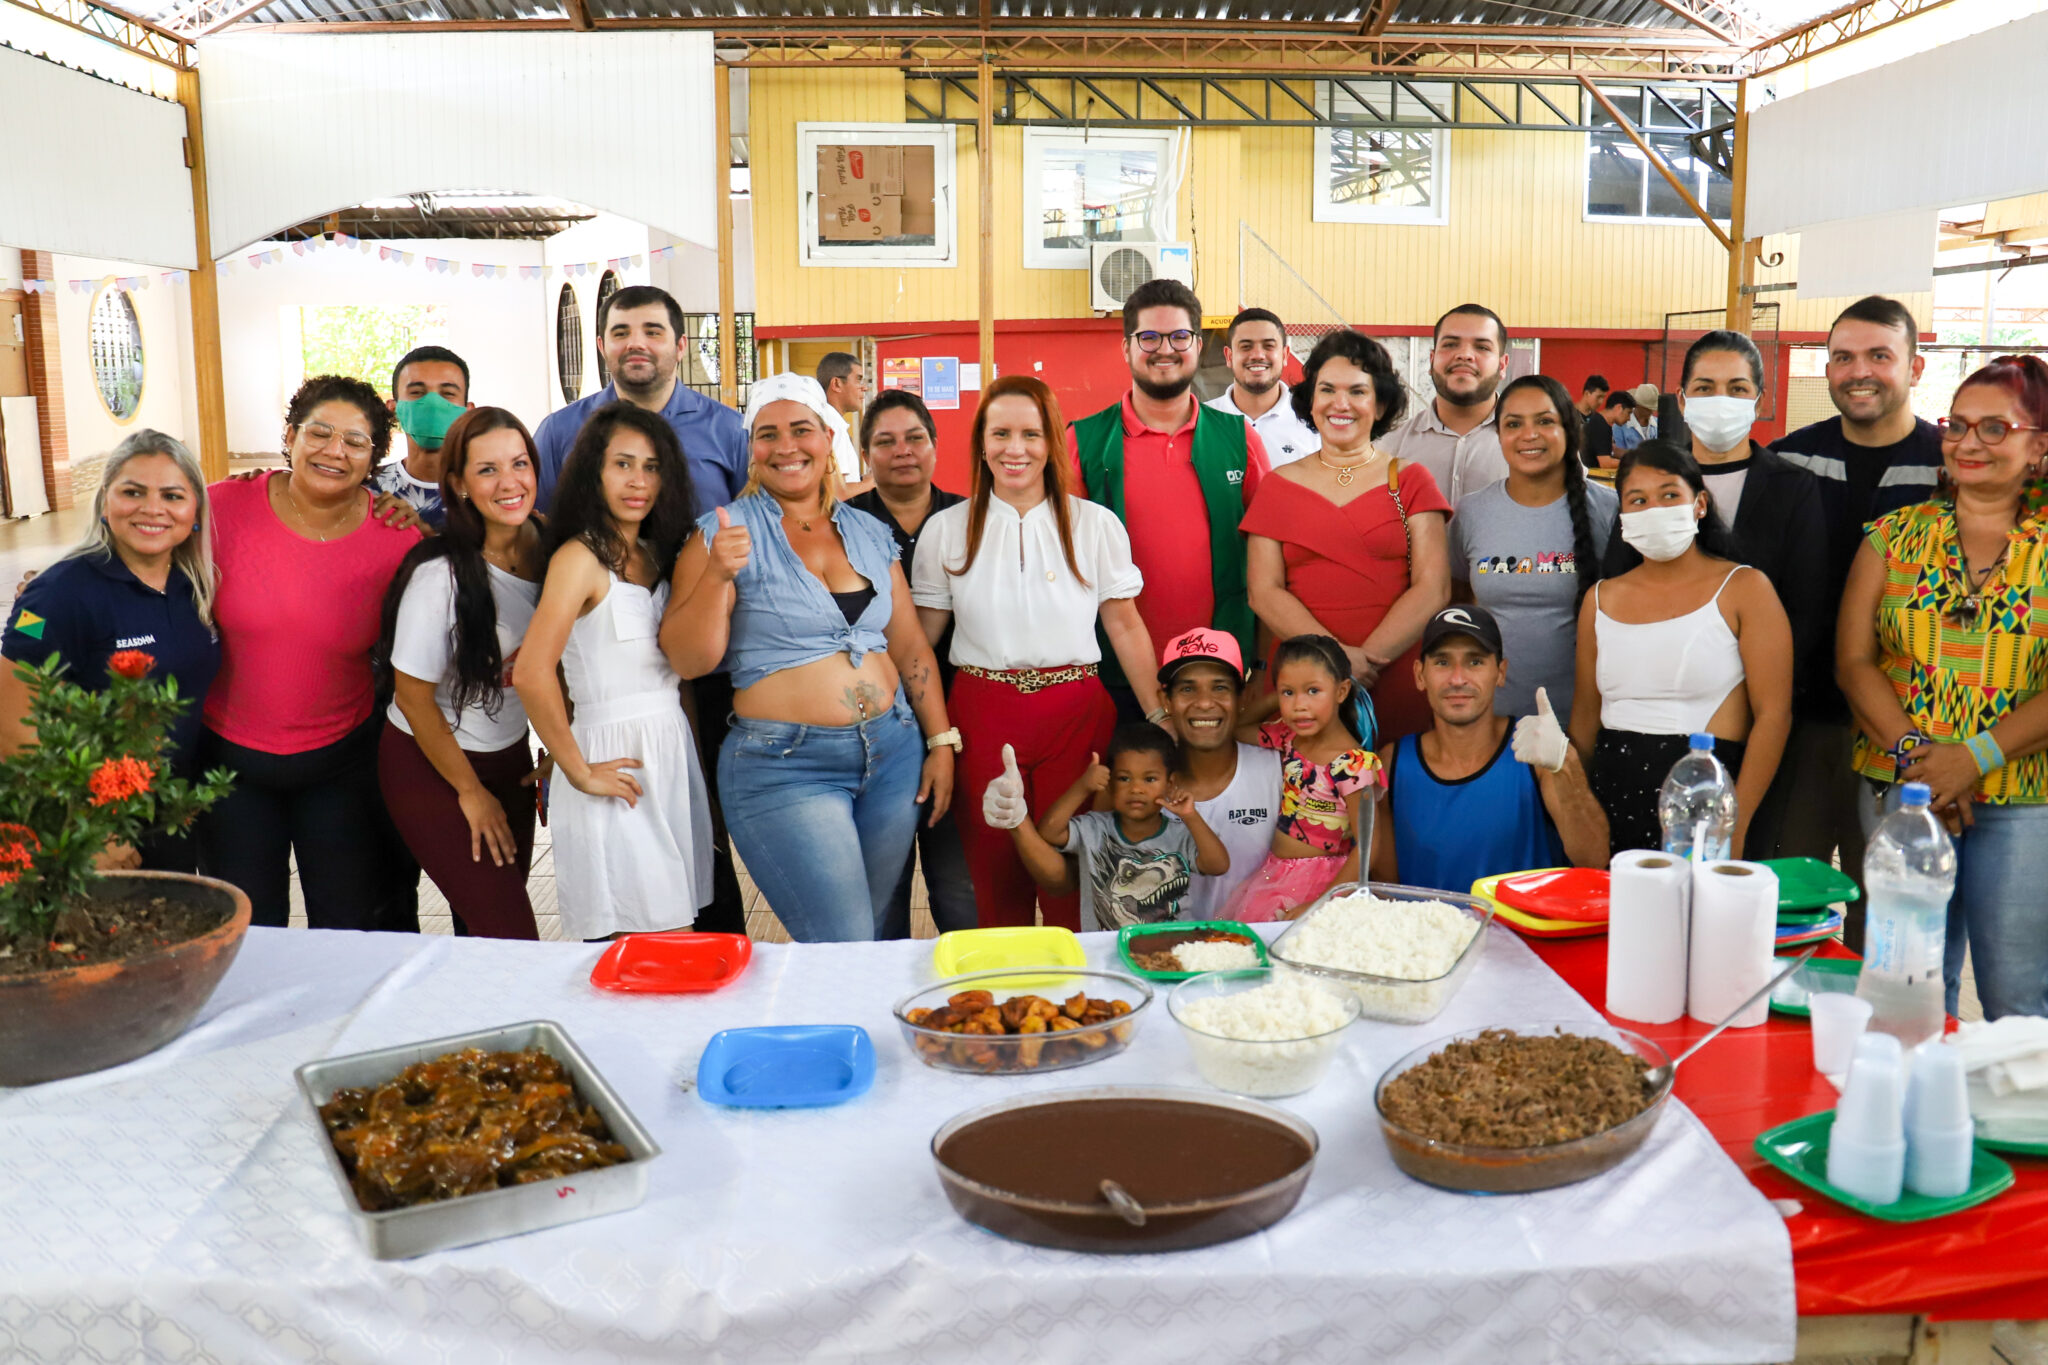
(1660, 533)
(1720, 422)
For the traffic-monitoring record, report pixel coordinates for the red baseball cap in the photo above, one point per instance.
(1201, 645)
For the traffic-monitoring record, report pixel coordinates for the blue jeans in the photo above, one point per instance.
(1996, 912)
(824, 817)
(946, 880)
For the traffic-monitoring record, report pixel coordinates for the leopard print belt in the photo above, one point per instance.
(1029, 680)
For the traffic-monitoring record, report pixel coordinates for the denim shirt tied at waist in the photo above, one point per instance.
(782, 615)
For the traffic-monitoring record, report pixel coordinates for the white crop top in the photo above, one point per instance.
(1666, 677)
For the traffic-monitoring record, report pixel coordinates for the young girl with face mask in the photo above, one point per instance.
(1682, 640)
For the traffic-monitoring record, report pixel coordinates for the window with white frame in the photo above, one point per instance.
(1082, 187)
(876, 194)
(1622, 185)
(1371, 167)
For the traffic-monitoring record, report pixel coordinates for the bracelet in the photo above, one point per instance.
(944, 737)
(1985, 750)
(1902, 752)
(1156, 715)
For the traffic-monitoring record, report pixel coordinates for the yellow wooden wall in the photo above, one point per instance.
(1515, 239)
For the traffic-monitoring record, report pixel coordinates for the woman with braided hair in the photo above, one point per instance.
(1528, 547)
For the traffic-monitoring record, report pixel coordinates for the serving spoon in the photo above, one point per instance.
(1657, 1075)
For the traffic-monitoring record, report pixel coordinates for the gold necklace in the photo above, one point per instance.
(293, 503)
(1346, 472)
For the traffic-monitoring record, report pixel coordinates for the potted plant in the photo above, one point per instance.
(98, 968)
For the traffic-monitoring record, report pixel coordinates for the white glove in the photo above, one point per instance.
(1002, 805)
(1539, 739)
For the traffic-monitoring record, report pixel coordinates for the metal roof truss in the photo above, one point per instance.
(1074, 99)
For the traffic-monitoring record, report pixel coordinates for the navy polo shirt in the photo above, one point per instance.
(713, 438)
(86, 608)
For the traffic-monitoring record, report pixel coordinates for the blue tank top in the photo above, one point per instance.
(1448, 835)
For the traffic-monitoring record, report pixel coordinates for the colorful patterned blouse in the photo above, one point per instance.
(1315, 804)
(1957, 671)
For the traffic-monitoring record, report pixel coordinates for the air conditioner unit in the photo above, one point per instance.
(1116, 268)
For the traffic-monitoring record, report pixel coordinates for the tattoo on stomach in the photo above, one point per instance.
(864, 701)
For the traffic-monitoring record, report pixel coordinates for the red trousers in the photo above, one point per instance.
(1053, 731)
(489, 900)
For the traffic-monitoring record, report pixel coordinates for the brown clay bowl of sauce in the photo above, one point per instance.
(1125, 1168)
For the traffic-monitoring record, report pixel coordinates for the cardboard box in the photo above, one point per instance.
(860, 168)
(859, 217)
(920, 192)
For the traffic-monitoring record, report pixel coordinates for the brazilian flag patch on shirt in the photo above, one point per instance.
(29, 624)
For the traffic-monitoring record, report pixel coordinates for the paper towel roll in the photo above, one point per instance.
(1734, 931)
(1648, 897)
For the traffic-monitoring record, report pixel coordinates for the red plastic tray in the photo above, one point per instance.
(672, 964)
(1568, 893)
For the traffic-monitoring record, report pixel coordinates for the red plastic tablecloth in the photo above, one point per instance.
(1984, 1263)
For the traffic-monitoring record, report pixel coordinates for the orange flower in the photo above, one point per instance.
(18, 847)
(131, 663)
(120, 778)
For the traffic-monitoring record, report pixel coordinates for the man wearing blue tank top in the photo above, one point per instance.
(1476, 794)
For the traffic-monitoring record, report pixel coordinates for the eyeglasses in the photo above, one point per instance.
(319, 433)
(1148, 342)
(1990, 430)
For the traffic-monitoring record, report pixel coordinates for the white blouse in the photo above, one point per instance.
(1020, 606)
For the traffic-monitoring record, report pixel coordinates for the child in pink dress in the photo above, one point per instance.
(1331, 777)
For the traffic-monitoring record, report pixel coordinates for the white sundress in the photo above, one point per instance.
(643, 867)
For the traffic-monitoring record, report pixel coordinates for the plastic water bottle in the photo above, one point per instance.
(1909, 873)
(1696, 805)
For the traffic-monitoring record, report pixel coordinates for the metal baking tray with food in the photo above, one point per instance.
(397, 1234)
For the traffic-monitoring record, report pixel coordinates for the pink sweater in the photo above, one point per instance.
(297, 619)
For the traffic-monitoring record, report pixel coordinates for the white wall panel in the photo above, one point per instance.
(1956, 124)
(298, 125)
(90, 167)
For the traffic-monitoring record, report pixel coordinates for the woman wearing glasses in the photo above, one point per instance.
(1942, 651)
(303, 571)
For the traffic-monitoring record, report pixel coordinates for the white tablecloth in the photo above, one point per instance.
(177, 1209)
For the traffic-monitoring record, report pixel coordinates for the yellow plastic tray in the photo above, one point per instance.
(987, 950)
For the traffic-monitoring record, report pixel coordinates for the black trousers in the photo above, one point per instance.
(727, 913)
(322, 806)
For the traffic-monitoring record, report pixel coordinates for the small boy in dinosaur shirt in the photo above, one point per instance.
(1137, 860)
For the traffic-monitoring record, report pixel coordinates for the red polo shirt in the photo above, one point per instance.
(1168, 519)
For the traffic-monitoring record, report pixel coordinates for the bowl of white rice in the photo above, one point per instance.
(1402, 950)
(1263, 1032)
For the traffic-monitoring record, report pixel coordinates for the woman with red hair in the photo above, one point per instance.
(1022, 570)
(1942, 651)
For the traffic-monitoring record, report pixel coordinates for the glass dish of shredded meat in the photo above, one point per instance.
(1500, 1110)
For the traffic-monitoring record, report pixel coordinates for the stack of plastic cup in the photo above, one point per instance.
(1838, 1021)
(1867, 1143)
(1940, 1139)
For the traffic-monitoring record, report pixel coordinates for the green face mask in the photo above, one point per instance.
(427, 419)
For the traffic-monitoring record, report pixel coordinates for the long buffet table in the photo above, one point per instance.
(177, 1208)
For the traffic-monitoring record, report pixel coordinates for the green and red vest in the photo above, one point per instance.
(1221, 454)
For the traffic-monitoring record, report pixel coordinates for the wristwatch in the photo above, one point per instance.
(945, 737)
(1902, 752)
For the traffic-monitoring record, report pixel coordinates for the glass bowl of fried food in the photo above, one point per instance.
(1023, 1021)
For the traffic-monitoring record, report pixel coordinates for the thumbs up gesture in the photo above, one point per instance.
(1002, 805)
(731, 548)
(1539, 739)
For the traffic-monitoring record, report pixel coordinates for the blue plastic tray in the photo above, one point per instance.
(787, 1066)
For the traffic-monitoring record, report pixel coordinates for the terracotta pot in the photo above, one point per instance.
(72, 1020)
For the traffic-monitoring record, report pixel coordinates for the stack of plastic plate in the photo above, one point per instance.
(1550, 902)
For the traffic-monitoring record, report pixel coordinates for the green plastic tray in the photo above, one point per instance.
(1810, 884)
(1819, 974)
(1221, 926)
(2014, 1145)
(1800, 1150)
